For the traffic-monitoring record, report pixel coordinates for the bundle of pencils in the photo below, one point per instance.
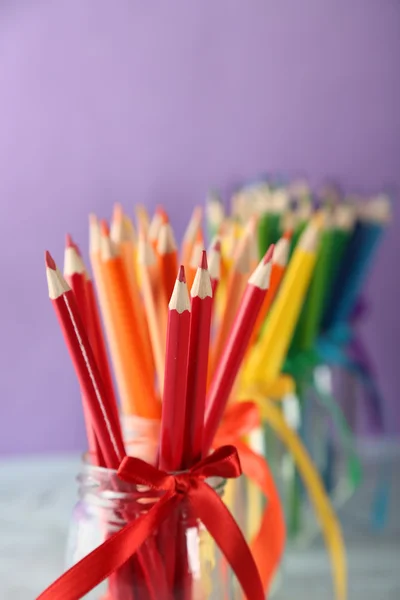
(320, 277)
(161, 328)
(326, 248)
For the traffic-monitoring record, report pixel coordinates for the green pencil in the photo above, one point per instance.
(311, 317)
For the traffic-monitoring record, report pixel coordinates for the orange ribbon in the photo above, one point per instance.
(268, 544)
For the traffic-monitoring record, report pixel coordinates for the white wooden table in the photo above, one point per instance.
(37, 495)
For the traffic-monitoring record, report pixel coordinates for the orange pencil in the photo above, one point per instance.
(154, 228)
(134, 381)
(155, 306)
(123, 235)
(168, 258)
(142, 218)
(195, 258)
(214, 263)
(103, 293)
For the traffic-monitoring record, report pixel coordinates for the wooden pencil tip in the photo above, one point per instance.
(216, 244)
(161, 212)
(93, 220)
(181, 274)
(104, 228)
(49, 260)
(203, 263)
(288, 234)
(118, 213)
(69, 243)
(269, 253)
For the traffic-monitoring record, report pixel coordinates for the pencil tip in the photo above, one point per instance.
(216, 245)
(203, 263)
(118, 212)
(93, 219)
(181, 274)
(69, 243)
(288, 234)
(49, 261)
(104, 228)
(268, 254)
(161, 212)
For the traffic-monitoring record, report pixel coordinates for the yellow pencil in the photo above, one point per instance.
(266, 359)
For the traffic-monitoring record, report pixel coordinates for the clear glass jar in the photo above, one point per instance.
(180, 561)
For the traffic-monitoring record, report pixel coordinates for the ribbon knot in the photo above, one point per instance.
(183, 483)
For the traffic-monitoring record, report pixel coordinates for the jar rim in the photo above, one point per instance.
(217, 483)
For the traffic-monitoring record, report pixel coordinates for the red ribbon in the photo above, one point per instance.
(206, 505)
(268, 545)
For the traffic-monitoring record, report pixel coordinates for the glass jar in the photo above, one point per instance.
(179, 561)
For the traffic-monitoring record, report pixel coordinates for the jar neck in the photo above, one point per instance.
(101, 488)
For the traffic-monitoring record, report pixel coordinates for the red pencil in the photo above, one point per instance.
(199, 341)
(279, 262)
(107, 430)
(96, 336)
(74, 273)
(175, 379)
(235, 349)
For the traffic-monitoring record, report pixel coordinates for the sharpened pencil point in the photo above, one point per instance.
(269, 253)
(288, 234)
(50, 261)
(181, 274)
(69, 243)
(161, 212)
(118, 212)
(104, 229)
(203, 263)
(217, 246)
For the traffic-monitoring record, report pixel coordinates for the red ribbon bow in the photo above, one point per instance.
(206, 505)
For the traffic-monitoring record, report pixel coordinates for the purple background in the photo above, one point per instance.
(153, 102)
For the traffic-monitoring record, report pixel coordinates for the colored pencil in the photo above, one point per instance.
(234, 350)
(136, 386)
(175, 380)
(199, 340)
(168, 257)
(107, 430)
